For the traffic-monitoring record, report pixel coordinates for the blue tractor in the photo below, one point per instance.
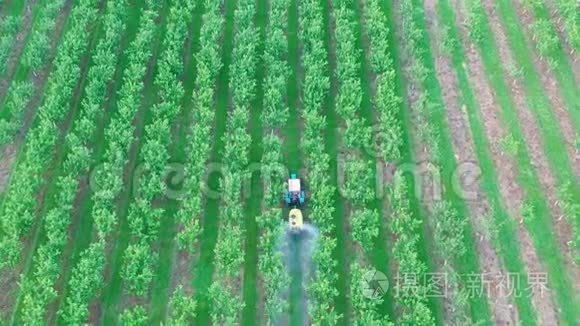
(295, 196)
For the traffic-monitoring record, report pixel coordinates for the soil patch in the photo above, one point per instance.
(534, 143)
(9, 292)
(558, 23)
(430, 190)
(503, 312)
(506, 166)
(7, 160)
(550, 86)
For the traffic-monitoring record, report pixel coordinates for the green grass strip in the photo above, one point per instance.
(408, 155)
(538, 221)
(293, 156)
(291, 149)
(10, 26)
(467, 263)
(331, 136)
(507, 239)
(161, 283)
(205, 266)
(255, 194)
(82, 236)
(559, 65)
(539, 103)
(36, 9)
(15, 7)
(36, 157)
(46, 16)
(113, 291)
(380, 256)
(62, 188)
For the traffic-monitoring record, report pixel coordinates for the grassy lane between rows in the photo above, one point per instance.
(379, 256)
(408, 156)
(291, 147)
(196, 130)
(10, 26)
(40, 154)
(387, 149)
(225, 298)
(506, 240)
(161, 283)
(71, 165)
(203, 272)
(293, 156)
(87, 278)
(538, 102)
(331, 136)
(452, 235)
(538, 221)
(112, 294)
(255, 194)
(322, 291)
(21, 95)
(551, 50)
(82, 211)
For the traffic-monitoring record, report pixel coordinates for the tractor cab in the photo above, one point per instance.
(295, 196)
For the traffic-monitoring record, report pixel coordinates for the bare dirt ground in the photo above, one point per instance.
(506, 166)
(8, 292)
(550, 85)
(533, 140)
(504, 313)
(181, 270)
(557, 21)
(7, 160)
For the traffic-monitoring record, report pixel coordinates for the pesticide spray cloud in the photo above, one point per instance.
(297, 248)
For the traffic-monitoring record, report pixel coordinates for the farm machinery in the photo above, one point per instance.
(295, 198)
(298, 242)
